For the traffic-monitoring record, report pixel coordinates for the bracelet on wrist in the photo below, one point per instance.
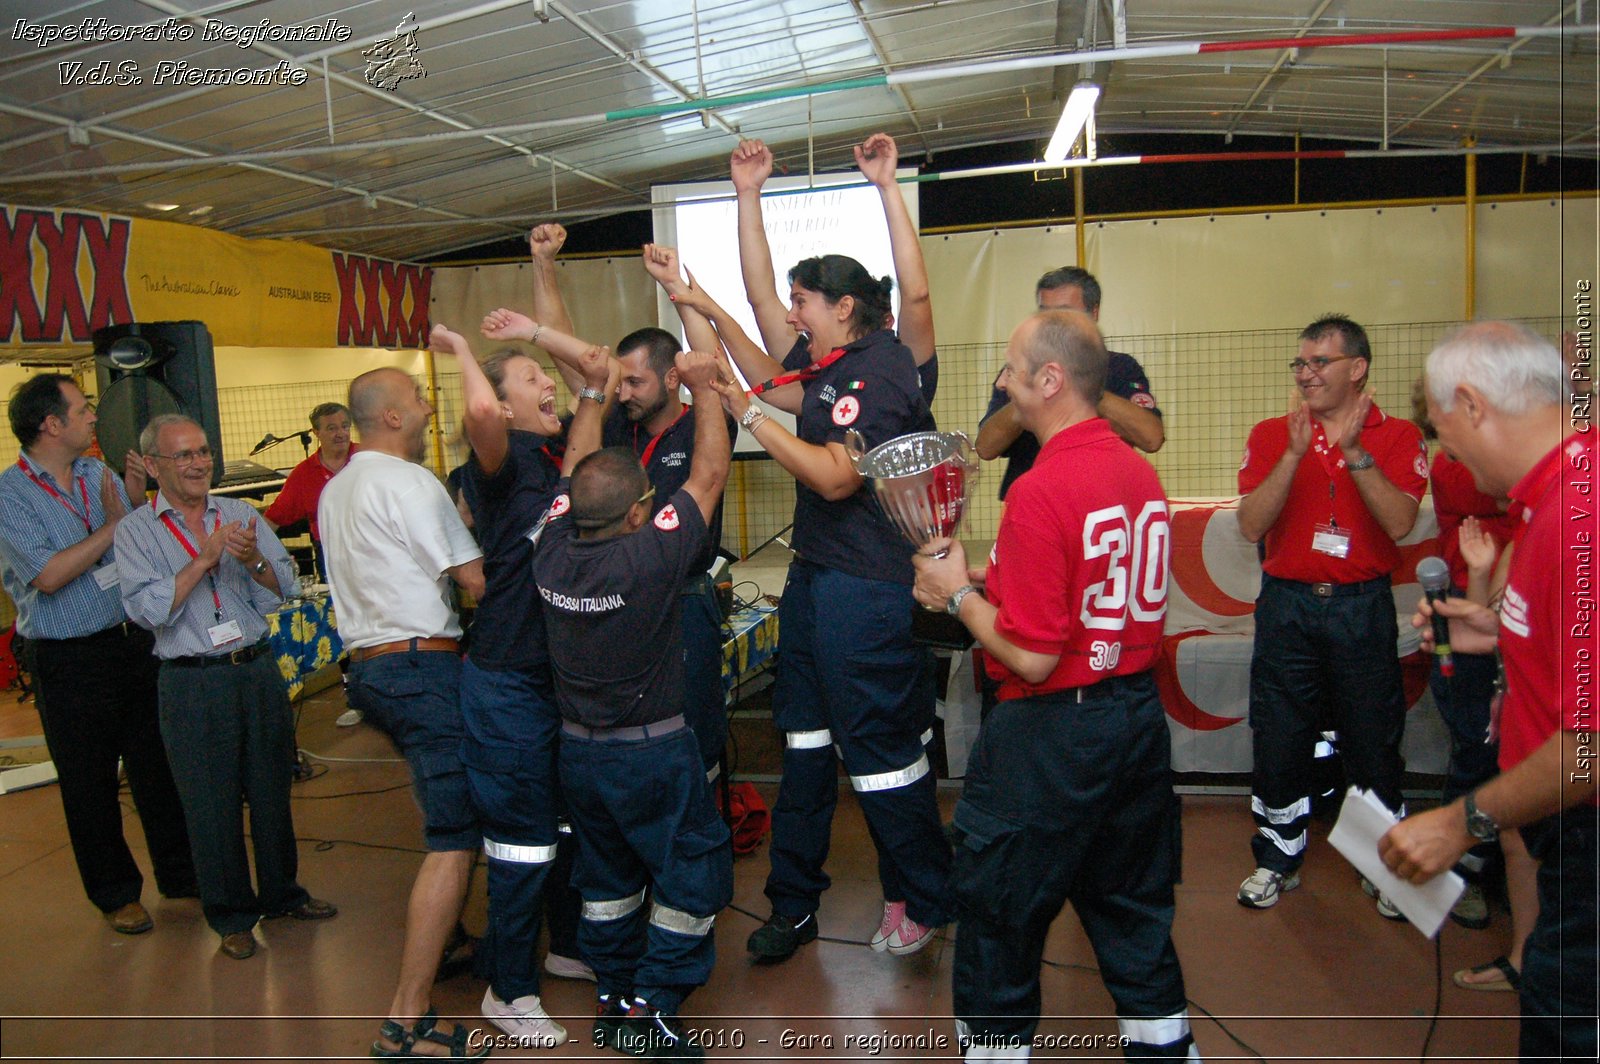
(751, 417)
(592, 393)
(537, 329)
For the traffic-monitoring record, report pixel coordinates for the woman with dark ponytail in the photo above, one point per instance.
(849, 674)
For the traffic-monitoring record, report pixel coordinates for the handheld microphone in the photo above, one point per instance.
(266, 441)
(1434, 576)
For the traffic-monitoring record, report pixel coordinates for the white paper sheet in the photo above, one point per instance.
(1363, 820)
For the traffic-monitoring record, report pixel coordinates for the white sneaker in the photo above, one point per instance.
(524, 1020)
(893, 913)
(1261, 889)
(1386, 908)
(567, 967)
(349, 718)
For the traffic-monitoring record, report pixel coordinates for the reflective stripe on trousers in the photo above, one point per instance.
(612, 910)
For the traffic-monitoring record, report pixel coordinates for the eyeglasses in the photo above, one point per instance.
(647, 496)
(187, 458)
(1315, 365)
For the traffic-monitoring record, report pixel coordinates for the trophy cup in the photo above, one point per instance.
(921, 481)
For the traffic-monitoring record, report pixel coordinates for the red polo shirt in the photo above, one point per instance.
(1547, 617)
(1080, 562)
(1397, 446)
(301, 493)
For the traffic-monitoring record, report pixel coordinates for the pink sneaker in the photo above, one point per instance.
(908, 937)
(893, 913)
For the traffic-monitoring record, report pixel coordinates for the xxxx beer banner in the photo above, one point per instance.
(64, 274)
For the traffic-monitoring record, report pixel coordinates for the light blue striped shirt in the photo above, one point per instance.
(34, 527)
(149, 557)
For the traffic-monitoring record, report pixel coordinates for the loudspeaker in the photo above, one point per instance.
(158, 367)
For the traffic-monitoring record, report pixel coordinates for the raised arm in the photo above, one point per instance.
(545, 241)
(750, 166)
(486, 422)
(754, 363)
(661, 263)
(567, 351)
(708, 470)
(598, 370)
(877, 158)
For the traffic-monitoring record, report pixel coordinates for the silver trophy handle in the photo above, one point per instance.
(855, 445)
(969, 453)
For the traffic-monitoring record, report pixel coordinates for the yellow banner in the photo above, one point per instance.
(64, 274)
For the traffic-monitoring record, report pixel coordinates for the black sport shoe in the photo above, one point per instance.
(660, 1036)
(779, 937)
(616, 1028)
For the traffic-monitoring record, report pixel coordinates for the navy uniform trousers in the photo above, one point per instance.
(849, 676)
(1312, 651)
(510, 758)
(645, 822)
(1070, 801)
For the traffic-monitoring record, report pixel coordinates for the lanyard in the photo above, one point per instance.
(83, 490)
(801, 375)
(650, 448)
(183, 540)
(1332, 470)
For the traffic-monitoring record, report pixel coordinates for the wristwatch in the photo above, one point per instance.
(592, 393)
(953, 607)
(750, 416)
(1366, 461)
(259, 567)
(1480, 825)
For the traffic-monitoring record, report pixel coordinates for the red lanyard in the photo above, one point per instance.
(83, 490)
(801, 375)
(183, 539)
(650, 448)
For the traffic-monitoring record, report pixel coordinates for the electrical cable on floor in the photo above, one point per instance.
(349, 794)
(1438, 993)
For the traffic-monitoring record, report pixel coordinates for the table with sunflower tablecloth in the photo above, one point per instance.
(305, 639)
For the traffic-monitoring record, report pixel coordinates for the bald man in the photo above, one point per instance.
(393, 542)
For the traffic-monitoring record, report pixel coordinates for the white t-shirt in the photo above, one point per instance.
(389, 533)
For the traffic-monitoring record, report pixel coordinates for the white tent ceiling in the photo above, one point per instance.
(516, 116)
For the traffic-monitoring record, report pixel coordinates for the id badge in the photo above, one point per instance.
(225, 633)
(1331, 540)
(106, 577)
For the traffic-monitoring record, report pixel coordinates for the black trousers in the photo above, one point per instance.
(1560, 969)
(96, 696)
(230, 738)
(1311, 652)
(1070, 801)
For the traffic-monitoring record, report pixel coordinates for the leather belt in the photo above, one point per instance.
(624, 735)
(235, 657)
(402, 646)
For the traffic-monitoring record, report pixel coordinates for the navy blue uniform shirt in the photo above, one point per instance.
(1124, 378)
(611, 610)
(876, 390)
(669, 461)
(508, 633)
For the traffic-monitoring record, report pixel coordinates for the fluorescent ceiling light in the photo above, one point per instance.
(1077, 114)
(162, 206)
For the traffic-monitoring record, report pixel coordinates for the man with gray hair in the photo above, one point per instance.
(1499, 398)
(200, 572)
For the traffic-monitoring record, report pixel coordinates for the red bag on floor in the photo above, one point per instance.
(8, 659)
(747, 816)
